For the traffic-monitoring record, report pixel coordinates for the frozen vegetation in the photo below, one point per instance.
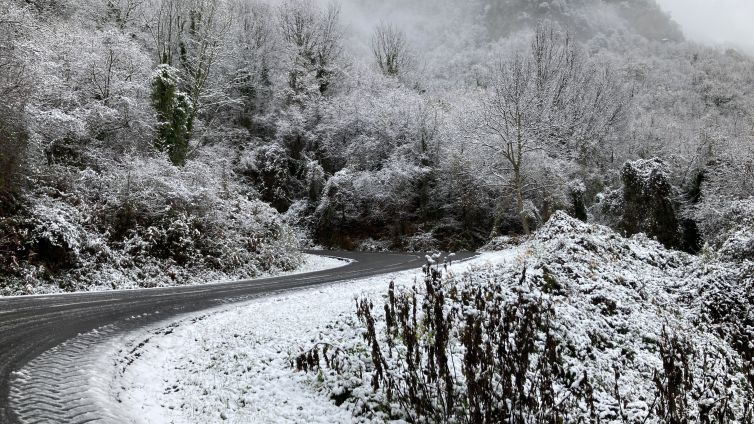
(602, 161)
(576, 323)
(153, 142)
(240, 363)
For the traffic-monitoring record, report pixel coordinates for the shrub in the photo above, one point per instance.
(728, 226)
(645, 203)
(147, 224)
(584, 326)
(509, 365)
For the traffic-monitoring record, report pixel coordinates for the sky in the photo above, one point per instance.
(718, 22)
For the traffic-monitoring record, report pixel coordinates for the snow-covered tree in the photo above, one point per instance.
(550, 99)
(390, 49)
(202, 30)
(175, 112)
(254, 65)
(313, 40)
(15, 87)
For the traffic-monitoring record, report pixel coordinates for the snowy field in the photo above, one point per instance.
(234, 364)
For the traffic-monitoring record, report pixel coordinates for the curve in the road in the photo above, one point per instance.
(34, 330)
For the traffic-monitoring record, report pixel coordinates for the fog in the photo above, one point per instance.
(719, 22)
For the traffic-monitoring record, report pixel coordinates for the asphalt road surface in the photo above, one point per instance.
(33, 328)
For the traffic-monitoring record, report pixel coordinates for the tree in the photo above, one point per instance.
(201, 36)
(121, 14)
(189, 37)
(313, 39)
(163, 22)
(15, 88)
(255, 60)
(175, 111)
(390, 49)
(550, 100)
(112, 66)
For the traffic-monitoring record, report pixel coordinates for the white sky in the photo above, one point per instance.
(717, 22)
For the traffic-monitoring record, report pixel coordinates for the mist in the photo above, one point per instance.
(717, 22)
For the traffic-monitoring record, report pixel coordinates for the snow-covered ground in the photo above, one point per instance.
(314, 263)
(234, 364)
(309, 263)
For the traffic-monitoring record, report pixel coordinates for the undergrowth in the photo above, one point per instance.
(461, 350)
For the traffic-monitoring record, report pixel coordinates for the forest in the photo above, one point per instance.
(153, 142)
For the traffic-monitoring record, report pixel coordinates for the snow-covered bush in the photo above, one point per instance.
(584, 325)
(645, 203)
(421, 242)
(502, 243)
(267, 168)
(57, 229)
(192, 216)
(362, 204)
(577, 191)
(48, 235)
(648, 201)
(145, 224)
(371, 245)
(728, 226)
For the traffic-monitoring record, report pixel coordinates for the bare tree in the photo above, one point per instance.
(190, 35)
(202, 34)
(118, 13)
(255, 58)
(330, 46)
(255, 28)
(163, 22)
(102, 74)
(123, 12)
(15, 88)
(390, 49)
(314, 40)
(551, 99)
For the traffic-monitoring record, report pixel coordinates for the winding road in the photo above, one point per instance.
(47, 332)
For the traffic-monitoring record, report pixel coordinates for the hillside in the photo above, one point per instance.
(133, 143)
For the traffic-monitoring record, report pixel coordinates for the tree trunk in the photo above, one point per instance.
(520, 200)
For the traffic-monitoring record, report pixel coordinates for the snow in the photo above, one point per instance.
(314, 263)
(309, 263)
(236, 362)
(614, 299)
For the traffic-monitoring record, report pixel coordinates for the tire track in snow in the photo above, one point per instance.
(70, 383)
